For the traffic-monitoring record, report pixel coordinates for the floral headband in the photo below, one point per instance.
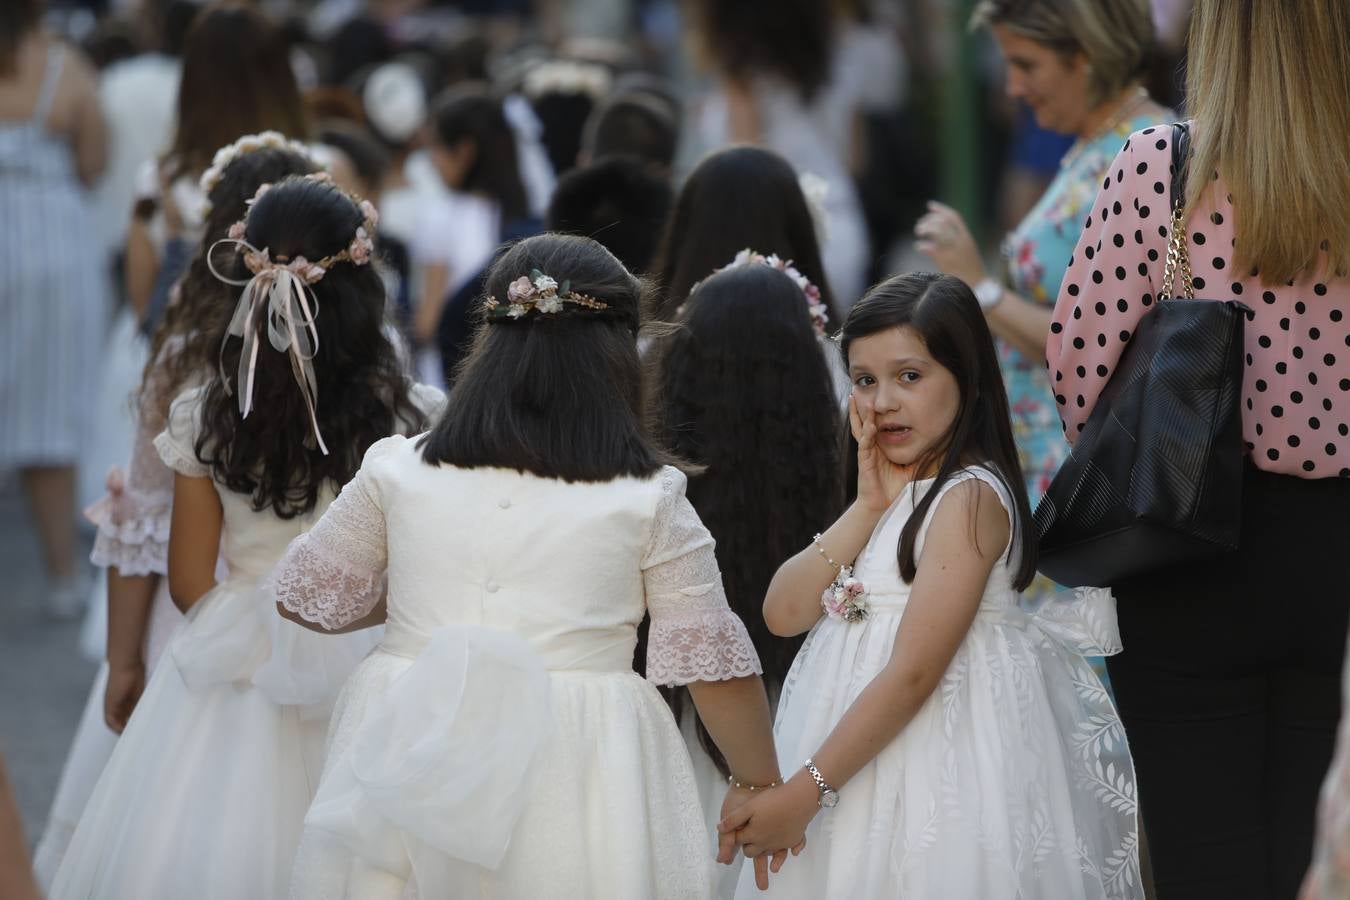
(358, 252)
(249, 143)
(815, 307)
(537, 293)
(283, 288)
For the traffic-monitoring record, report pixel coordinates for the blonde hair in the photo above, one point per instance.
(1116, 36)
(1269, 90)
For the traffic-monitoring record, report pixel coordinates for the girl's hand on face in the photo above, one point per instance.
(944, 237)
(880, 481)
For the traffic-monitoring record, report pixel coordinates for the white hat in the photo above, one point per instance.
(395, 101)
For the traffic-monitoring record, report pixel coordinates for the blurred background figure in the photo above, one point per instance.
(52, 300)
(775, 85)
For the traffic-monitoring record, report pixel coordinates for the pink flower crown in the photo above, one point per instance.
(358, 252)
(815, 307)
(537, 293)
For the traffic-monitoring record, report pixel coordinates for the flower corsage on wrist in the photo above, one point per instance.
(846, 597)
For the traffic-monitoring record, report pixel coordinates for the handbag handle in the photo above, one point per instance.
(1178, 254)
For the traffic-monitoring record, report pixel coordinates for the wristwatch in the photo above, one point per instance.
(829, 797)
(988, 293)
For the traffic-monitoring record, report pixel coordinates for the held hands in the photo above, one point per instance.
(766, 825)
(880, 481)
(944, 237)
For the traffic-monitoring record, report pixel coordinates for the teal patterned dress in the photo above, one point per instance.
(1036, 255)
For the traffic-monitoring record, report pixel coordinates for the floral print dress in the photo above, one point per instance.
(1036, 255)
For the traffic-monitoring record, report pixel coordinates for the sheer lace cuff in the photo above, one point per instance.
(322, 587)
(699, 645)
(133, 531)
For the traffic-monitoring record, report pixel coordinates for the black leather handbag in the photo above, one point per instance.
(1155, 476)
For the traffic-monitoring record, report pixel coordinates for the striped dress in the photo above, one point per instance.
(52, 294)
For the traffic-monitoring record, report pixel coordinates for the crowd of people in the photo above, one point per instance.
(523, 493)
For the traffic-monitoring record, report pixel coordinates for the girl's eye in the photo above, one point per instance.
(909, 377)
(864, 381)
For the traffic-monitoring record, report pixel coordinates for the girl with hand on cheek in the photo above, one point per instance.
(937, 739)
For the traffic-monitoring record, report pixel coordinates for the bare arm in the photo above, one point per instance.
(89, 134)
(194, 539)
(1022, 323)
(736, 713)
(792, 603)
(943, 235)
(142, 266)
(427, 316)
(16, 875)
(129, 600)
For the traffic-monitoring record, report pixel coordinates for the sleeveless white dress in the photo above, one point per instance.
(206, 789)
(497, 743)
(1013, 780)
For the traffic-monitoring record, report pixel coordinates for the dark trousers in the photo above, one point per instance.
(1229, 688)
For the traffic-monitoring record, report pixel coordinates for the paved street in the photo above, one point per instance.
(44, 679)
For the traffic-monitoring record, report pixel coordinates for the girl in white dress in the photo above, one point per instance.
(132, 540)
(497, 743)
(205, 792)
(941, 740)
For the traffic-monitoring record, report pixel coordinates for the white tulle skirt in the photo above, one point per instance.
(470, 772)
(206, 790)
(94, 741)
(1012, 781)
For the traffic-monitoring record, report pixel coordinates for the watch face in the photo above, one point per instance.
(829, 799)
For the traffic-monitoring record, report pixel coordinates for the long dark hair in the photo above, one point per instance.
(236, 80)
(363, 394)
(471, 112)
(187, 339)
(739, 198)
(943, 312)
(558, 395)
(747, 394)
(792, 39)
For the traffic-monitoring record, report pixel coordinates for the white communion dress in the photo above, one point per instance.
(497, 743)
(206, 789)
(1013, 781)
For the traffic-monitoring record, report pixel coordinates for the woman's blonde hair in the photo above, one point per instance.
(1269, 88)
(1116, 36)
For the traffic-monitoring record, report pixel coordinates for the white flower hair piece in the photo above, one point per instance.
(249, 143)
(815, 307)
(538, 293)
(568, 76)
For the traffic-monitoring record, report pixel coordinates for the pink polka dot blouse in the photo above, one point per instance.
(1296, 384)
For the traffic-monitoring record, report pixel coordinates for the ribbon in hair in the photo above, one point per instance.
(291, 307)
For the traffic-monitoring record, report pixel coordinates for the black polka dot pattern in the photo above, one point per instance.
(1296, 386)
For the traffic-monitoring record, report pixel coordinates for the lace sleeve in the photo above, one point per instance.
(176, 443)
(133, 516)
(334, 574)
(694, 635)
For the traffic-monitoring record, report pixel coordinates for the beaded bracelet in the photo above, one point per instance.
(731, 780)
(820, 548)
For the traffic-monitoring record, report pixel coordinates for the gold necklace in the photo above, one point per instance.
(1127, 109)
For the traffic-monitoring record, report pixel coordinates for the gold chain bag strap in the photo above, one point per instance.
(1155, 476)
